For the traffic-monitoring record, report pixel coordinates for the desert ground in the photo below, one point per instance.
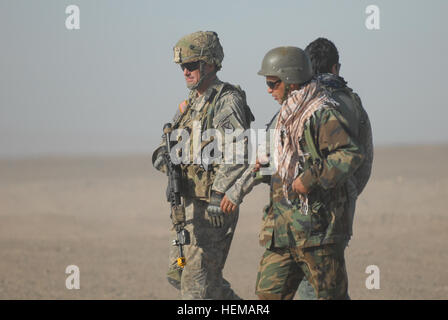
(109, 217)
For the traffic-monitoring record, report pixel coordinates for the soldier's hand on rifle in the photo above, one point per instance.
(214, 210)
(227, 206)
(159, 159)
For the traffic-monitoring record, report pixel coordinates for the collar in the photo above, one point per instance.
(331, 80)
(199, 102)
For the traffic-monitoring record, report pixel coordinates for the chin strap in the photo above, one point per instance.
(202, 74)
(286, 93)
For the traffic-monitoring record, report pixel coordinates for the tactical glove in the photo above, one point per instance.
(159, 162)
(159, 159)
(214, 210)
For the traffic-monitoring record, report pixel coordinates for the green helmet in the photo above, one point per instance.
(200, 45)
(290, 64)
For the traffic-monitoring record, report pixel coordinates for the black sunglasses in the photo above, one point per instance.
(272, 84)
(190, 66)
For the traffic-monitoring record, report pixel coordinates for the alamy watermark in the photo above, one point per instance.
(373, 280)
(73, 22)
(373, 19)
(73, 280)
(214, 147)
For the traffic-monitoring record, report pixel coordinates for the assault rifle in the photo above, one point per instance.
(174, 197)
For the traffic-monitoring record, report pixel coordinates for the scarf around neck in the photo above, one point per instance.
(294, 113)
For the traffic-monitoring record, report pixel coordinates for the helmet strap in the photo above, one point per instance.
(286, 93)
(202, 74)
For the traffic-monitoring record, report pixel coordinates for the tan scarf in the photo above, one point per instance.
(294, 113)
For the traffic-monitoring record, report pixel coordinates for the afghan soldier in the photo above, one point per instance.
(305, 226)
(211, 104)
(324, 58)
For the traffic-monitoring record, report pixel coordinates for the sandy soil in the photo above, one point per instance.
(109, 217)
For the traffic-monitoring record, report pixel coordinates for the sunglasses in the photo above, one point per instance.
(190, 66)
(273, 84)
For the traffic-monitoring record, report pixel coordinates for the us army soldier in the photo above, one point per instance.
(211, 104)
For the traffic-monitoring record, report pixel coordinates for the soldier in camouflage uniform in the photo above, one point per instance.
(324, 58)
(211, 104)
(305, 226)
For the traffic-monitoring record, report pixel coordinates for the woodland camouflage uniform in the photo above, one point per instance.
(311, 245)
(308, 243)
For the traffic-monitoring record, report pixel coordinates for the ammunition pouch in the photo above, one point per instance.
(178, 214)
(197, 181)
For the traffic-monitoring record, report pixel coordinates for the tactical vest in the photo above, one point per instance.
(197, 179)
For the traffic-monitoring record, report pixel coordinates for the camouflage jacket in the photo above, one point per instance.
(222, 107)
(350, 107)
(284, 224)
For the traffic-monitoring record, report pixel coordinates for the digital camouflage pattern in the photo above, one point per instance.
(245, 183)
(222, 107)
(283, 269)
(248, 180)
(202, 278)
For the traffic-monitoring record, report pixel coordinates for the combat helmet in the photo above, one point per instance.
(199, 46)
(290, 64)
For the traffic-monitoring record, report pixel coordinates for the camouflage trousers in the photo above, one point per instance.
(282, 270)
(201, 277)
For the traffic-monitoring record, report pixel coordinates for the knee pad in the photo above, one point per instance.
(173, 276)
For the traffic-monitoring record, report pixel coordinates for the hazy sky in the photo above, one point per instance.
(111, 85)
